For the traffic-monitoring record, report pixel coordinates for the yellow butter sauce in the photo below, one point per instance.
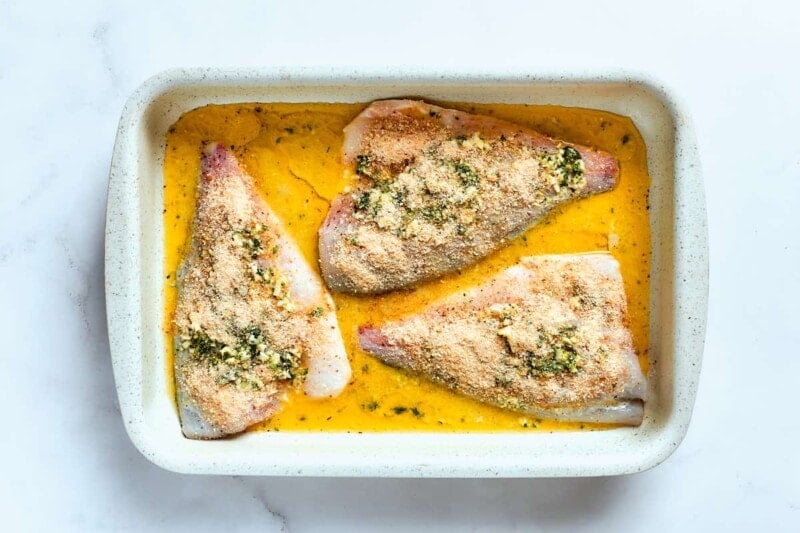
(293, 153)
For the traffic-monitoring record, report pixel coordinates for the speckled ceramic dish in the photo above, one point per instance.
(134, 274)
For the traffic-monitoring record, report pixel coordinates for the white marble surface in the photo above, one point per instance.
(65, 71)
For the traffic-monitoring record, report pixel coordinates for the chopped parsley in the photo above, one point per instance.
(237, 362)
(435, 213)
(571, 168)
(566, 166)
(469, 178)
(401, 409)
(399, 196)
(201, 346)
(554, 354)
(362, 202)
(249, 238)
(364, 165)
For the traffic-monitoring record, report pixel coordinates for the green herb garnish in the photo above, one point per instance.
(555, 354)
(469, 178)
(363, 164)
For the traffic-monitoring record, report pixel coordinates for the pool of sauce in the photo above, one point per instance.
(293, 153)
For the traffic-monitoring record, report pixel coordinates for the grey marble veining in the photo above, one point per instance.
(65, 71)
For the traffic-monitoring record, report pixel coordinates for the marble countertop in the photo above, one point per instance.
(65, 72)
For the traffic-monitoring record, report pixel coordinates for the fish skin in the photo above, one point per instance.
(218, 293)
(389, 262)
(457, 341)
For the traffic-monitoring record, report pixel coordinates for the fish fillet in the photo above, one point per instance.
(439, 189)
(547, 337)
(252, 317)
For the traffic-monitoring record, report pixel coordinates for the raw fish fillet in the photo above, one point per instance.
(252, 317)
(547, 337)
(439, 189)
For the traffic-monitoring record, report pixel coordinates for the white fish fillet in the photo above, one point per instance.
(547, 337)
(252, 317)
(439, 189)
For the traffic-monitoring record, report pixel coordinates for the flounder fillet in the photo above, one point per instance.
(439, 189)
(252, 317)
(547, 337)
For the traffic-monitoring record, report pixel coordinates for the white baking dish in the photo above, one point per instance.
(134, 274)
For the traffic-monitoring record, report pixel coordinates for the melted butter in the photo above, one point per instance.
(293, 153)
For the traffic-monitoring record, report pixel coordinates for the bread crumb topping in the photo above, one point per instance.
(442, 191)
(236, 349)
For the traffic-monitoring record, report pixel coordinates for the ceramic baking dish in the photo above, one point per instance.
(134, 273)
